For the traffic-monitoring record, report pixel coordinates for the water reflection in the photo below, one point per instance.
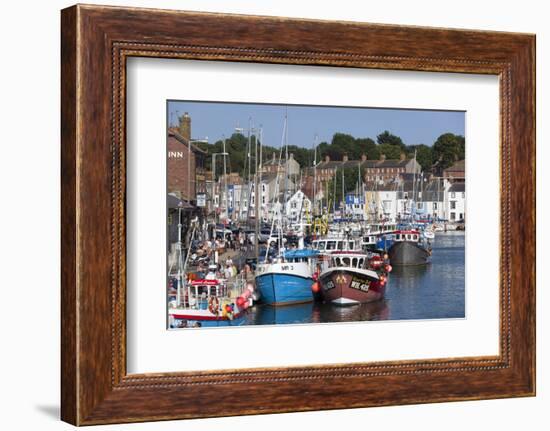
(371, 311)
(428, 291)
(263, 314)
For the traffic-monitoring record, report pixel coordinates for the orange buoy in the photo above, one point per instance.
(315, 287)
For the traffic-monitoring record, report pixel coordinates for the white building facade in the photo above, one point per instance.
(297, 207)
(456, 202)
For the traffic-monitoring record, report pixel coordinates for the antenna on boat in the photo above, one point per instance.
(315, 139)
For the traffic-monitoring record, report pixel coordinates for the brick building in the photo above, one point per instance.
(370, 170)
(185, 163)
(456, 171)
(271, 166)
(389, 169)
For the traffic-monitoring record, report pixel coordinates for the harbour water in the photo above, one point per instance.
(433, 291)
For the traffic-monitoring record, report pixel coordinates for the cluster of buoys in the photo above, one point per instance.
(376, 262)
(243, 301)
(228, 311)
(382, 280)
(388, 268)
(316, 286)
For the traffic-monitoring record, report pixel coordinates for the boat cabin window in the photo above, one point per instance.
(351, 246)
(354, 262)
(346, 261)
(331, 245)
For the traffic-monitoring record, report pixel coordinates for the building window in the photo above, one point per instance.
(453, 195)
(453, 216)
(453, 205)
(463, 195)
(435, 205)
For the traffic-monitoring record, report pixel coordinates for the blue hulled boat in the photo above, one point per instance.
(287, 280)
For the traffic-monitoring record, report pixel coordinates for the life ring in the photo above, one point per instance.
(214, 305)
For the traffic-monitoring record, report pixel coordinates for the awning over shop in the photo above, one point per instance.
(174, 203)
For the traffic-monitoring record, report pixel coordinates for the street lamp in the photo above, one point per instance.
(192, 141)
(214, 179)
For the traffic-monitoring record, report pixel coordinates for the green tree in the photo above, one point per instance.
(447, 149)
(423, 155)
(343, 143)
(322, 149)
(304, 156)
(390, 151)
(387, 138)
(368, 147)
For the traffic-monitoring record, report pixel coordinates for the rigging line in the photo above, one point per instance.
(277, 185)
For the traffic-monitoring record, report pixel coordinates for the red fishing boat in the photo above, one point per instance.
(210, 302)
(353, 278)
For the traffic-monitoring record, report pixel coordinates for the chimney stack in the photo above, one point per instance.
(185, 126)
(345, 158)
(382, 157)
(402, 156)
(363, 157)
(327, 158)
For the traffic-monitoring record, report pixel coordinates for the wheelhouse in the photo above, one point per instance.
(407, 235)
(357, 261)
(335, 244)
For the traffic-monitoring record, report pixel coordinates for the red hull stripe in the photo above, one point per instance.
(191, 317)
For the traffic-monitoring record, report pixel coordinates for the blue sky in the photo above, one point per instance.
(215, 119)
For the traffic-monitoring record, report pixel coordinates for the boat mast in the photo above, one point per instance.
(180, 259)
(315, 175)
(343, 197)
(413, 201)
(286, 157)
(249, 173)
(257, 194)
(225, 182)
(334, 199)
(438, 201)
(277, 205)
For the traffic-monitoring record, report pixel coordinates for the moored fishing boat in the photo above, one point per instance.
(409, 248)
(210, 302)
(287, 279)
(353, 278)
